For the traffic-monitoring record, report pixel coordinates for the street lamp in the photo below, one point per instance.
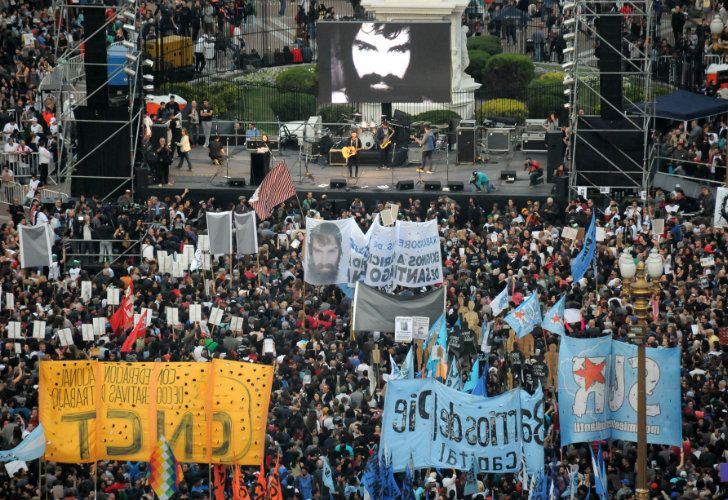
(637, 290)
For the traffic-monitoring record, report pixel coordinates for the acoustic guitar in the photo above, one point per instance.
(348, 151)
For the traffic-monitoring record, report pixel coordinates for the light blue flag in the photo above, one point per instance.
(553, 321)
(347, 290)
(327, 476)
(454, 380)
(600, 473)
(500, 302)
(435, 329)
(481, 387)
(485, 337)
(395, 373)
(409, 365)
(30, 448)
(581, 262)
(525, 317)
(474, 376)
(471, 480)
(598, 392)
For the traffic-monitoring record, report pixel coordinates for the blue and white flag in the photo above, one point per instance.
(408, 371)
(407, 488)
(390, 490)
(538, 487)
(474, 376)
(327, 476)
(394, 373)
(30, 448)
(454, 380)
(481, 386)
(471, 479)
(600, 473)
(598, 392)
(370, 477)
(500, 302)
(581, 262)
(553, 321)
(437, 330)
(525, 317)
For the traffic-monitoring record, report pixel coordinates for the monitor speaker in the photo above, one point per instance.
(337, 183)
(508, 175)
(433, 186)
(405, 185)
(466, 145)
(456, 185)
(561, 189)
(236, 182)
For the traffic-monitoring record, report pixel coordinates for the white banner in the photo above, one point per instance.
(327, 248)
(380, 260)
(359, 253)
(720, 218)
(419, 262)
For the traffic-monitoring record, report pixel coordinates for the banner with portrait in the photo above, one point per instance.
(436, 426)
(209, 412)
(327, 249)
(720, 218)
(598, 392)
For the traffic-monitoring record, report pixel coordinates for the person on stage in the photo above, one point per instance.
(428, 147)
(353, 160)
(535, 171)
(480, 180)
(216, 151)
(383, 139)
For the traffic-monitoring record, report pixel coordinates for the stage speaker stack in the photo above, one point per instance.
(337, 183)
(466, 133)
(561, 189)
(555, 155)
(609, 31)
(405, 185)
(433, 186)
(456, 185)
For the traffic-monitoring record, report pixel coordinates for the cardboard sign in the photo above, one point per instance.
(14, 330)
(9, 301)
(86, 291)
(386, 216)
(99, 326)
(707, 261)
(216, 316)
(39, 328)
(601, 234)
(112, 296)
(172, 314)
(203, 243)
(403, 328)
(236, 324)
(658, 226)
(196, 312)
(421, 326)
(87, 332)
(569, 233)
(65, 337)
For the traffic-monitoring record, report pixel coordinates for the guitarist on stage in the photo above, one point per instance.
(383, 139)
(353, 149)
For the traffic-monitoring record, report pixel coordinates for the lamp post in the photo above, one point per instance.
(639, 291)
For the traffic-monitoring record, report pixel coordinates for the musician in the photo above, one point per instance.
(383, 139)
(428, 147)
(353, 159)
(535, 171)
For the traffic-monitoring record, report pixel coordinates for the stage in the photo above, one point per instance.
(372, 184)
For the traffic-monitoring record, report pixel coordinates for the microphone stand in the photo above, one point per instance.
(227, 160)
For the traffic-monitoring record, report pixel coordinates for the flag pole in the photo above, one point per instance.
(40, 477)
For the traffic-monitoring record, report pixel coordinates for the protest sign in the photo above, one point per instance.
(403, 328)
(720, 218)
(418, 259)
(380, 257)
(209, 412)
(435, 426)
(598, 392)
(327, 250)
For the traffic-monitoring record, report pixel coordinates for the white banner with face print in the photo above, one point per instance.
(359, 254)
(327, 249)
(380, 258)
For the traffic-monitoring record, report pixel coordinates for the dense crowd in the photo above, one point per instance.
(328, 391)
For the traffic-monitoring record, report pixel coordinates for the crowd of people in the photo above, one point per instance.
(328, 391)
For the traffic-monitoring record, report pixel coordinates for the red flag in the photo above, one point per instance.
(260, 491)
(240, 491)
(276, 188)
(274, 483)
(123, 318)
(140, 330)
(220, 473)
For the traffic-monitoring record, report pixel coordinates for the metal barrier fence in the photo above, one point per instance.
(12, 192)
(21, 164)
(100, 251)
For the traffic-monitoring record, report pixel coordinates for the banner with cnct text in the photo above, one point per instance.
(209, 412)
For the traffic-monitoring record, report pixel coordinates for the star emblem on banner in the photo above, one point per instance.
(556, 318)
(591, 373)
(519, 315)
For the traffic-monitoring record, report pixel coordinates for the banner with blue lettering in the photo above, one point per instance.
(534, 429)
(359, 245)
(419, 262)
(581, 262)
(441, 427)
(598, 392)
(380, 255)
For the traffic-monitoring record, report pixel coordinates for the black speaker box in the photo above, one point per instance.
(433, 186)
(555, 155)
(142, 177)
(508, 174)
(561, 189)
(466, 146)
(259, 167)
(405, 185)
(236, 182)
(95, 58)
(337, 183)
(456, 185)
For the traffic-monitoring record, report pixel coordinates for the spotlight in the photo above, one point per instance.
(131, 57)
(129, 27)
(129, 71)
(567, 65)
(567, 92)
(148, 88)
(568, 50)
(129, 15)
(148, 63)
(129, 45)
(568, 80)
(569, 5)
(570, 22)
(149, 78)
(569, 36)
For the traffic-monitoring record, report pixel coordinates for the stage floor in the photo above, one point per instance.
(204, 175)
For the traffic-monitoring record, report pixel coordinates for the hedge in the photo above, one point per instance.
(546, 95)
(223, 96)
(332, 113)
(438, 116)
(509, 74)
(478, 62)
(487, 43)
(299, 79)
(510, 108)
(290, 107)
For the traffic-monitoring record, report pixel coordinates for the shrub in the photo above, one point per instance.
(487, 43)
(300, 79)
(289, 107)
(546, 95)
(478, 61)
(332, 113)
(510, 108)
(509, 73)
(436, 116)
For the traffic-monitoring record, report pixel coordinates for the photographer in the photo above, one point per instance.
(535, 171)
(480, 180)
(164, 160)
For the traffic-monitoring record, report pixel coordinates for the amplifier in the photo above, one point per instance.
(236, 182)
(455, 185)
(337, 183)
(533, 143)
(405, 185)
(433, 185)
(336, 158)
(253, 144)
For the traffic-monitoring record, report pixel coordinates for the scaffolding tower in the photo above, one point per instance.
(608, 83)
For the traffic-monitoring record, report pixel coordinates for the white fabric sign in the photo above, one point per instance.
(720, 219)
(403, 328)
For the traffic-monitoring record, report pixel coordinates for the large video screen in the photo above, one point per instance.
(383, 62)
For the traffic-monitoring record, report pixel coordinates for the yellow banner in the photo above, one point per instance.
(209, 412)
